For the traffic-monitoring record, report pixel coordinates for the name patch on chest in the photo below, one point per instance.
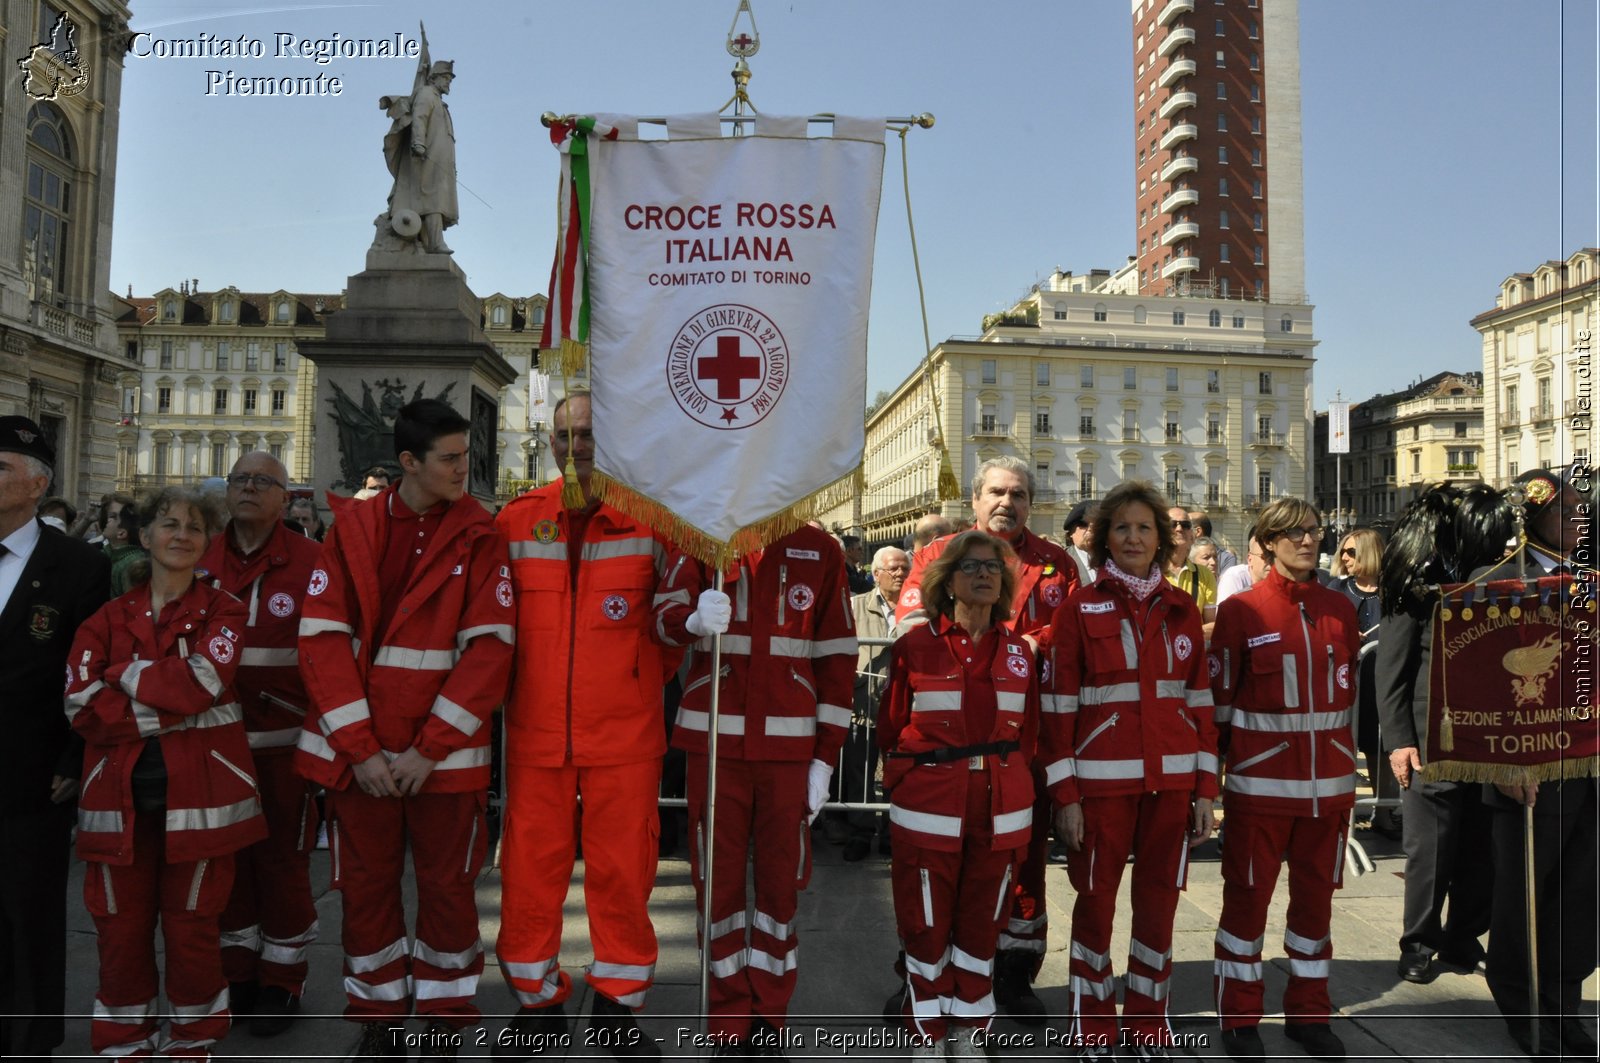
(1097, 607)
(1262, 640)
(804, 555)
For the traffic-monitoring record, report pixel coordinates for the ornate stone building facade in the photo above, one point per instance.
(58, 163)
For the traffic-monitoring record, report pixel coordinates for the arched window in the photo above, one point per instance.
(283, 312)
(1139, 315)
(47, 201)
(1215, 319)
(227, 310)
(498, 315)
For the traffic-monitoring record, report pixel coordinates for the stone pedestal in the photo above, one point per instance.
(409, 329)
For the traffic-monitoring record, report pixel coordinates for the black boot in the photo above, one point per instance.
(617, 1032)
(1013, 987)
(381, 1040)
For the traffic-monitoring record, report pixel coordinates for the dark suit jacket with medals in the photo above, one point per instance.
(64, 582)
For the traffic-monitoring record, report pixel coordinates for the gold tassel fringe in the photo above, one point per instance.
(573, 358)
(1512, 774)
(949, 486)
(712, 551)
(1447, 732)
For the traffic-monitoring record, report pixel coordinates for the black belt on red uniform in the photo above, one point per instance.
(946, 754)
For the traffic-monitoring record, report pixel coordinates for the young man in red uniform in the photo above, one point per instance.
(271, 919)
(788, 674)
(405, 646)
(1282, 663)
(1002, 493)
(583, 717)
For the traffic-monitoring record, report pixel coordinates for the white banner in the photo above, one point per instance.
(729, 282)
(1338, 428)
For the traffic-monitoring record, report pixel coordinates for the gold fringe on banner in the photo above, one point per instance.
(1511, 774)
(712, 551)
(1447, 732)
(949, 486)
(574, 357)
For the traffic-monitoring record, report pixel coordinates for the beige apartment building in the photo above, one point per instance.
(1538, 367)
(206, 376)
(1402, 443)
(1091, 384)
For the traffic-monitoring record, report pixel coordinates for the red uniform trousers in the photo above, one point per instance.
(271, 920)
(1257, 844)
(949, 909)
(621, 828)
(125, 901)
(1029, 920)
(367, 838)
(765, 800)
(1153, 828)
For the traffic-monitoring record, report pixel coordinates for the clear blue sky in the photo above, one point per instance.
(1447, 145)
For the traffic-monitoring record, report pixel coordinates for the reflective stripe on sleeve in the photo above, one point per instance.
(832, 714)
(264, 657)
(310, 626)
(455, 716)
(503, 632)
(344, 716)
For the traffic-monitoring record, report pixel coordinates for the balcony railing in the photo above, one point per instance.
(1570, 408)
(1177, 102)
(1181, 165)
(1541, 414)
(1260, 501)
(1186, 264)
(1178, 68)
(921, 500)
(1178, 134)
(1267, 439)
(990, 428)
(1509, 419)
(1173, 9)
(1176, 39)
(68, 326)
(1086, 434)
(1181, 231)
(1177, 200)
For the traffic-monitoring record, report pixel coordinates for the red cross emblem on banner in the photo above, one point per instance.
(728, 368)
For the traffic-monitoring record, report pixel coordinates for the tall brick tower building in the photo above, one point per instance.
(1217, 148)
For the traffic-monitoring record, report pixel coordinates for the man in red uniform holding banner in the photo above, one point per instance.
(583, 717)
(405, 646)
(1002, 493)
(271, 919)
(788, 679)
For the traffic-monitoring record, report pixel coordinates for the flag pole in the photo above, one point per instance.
(710, 825)
(1516, 496)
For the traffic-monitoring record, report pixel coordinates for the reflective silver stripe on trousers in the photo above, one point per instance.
(449, 961)
(1239, 946)
(736, 921)
(626, 972)
(1100, 990)
(972, 1009)
(927, 971)
(248, 937)
(441, 989)
(968, 962)
(728, 966)
(1138, 950)
(1098, 961)
(399, 989)
(1149, 987)
(530, 972)
(1241, 972)
(774, 965)
(125, 1014)
(396, 950)
(1006, 941)
(263, 657)
(1295, 943)
(1308, 968)
(768, 925)
(190, 1012)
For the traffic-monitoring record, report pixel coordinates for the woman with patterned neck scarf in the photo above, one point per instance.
(1131, 762)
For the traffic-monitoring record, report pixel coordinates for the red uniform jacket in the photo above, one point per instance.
(788, 658)
(433, 674)
(922, 711)
(591, 673)
(1283, 659)
(272, 584)
(1130, 712)
(1045, 576)
(131, 677)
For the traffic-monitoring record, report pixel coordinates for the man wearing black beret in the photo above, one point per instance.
(49, 584)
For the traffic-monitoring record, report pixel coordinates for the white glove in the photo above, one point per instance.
(817, 780)
(711, 614)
